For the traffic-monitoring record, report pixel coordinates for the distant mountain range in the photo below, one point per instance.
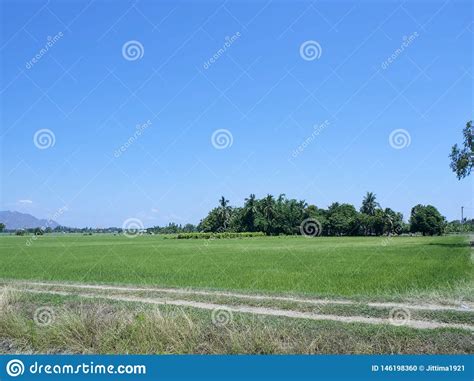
(17, 220)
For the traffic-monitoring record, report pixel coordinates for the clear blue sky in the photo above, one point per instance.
(260, 89)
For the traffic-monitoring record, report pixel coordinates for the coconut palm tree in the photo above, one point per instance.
(224, 212)
(250, 211)
(267, 206)
(369, 205)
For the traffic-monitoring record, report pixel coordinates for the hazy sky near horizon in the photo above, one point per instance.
(320, 100)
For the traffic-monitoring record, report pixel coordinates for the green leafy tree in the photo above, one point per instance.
(2, 227)
(342, 219)
(237, 221)
(393, 222)
(364, 224)
(38, 231)
(378, 222)
(319, 215)
(427, 220)
(211, 223)
(462, 159)
(189, 228)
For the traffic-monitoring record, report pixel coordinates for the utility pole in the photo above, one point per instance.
(462, 215)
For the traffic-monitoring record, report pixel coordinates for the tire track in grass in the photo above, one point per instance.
(265, 311)
(423, 307)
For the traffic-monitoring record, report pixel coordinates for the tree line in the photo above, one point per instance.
(284, 216)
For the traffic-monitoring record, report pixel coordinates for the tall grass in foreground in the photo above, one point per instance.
(98, 327)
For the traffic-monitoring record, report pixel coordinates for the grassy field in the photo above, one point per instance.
(94, 326)
(332, 266)
(401, 273)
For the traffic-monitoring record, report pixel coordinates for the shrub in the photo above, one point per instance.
(218, 235)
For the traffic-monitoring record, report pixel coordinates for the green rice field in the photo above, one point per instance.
(342, 266)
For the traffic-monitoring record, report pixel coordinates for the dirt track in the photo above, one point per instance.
(123, 293)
